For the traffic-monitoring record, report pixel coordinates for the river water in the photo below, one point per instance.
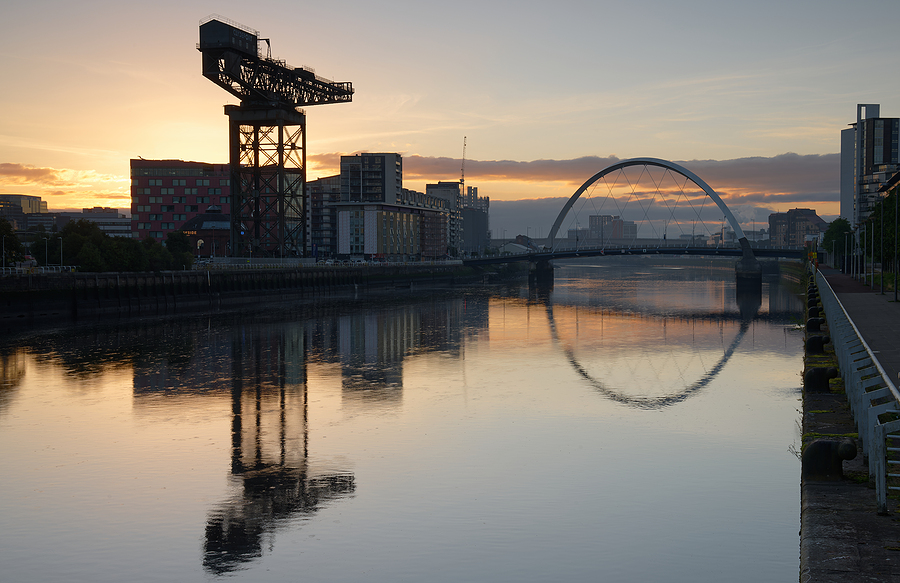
(638, 423)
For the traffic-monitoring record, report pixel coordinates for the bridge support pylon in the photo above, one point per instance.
(748, 271)
(540, 274)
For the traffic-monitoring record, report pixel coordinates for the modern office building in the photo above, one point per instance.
(167, 193)
(869, 158)
(29, 204)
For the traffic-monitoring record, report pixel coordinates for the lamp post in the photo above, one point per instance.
(881, 252)
(46, 252)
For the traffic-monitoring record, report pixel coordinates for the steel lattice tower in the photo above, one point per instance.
(267, 137)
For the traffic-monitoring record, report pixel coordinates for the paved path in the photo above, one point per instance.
(877, 316)
(842, 537)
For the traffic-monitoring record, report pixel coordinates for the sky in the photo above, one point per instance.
(749, 96)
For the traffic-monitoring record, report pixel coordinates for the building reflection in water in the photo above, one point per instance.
(262, 367)
(12, 371)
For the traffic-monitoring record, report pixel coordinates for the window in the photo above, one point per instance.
(215, 191)
(156, 182)
(167, 191)
(155, 217)
(179, 199)
(190, 191)
(203, 182)
(155, 199)
(141, 191)
(179, 182)
(143, 208)
(170, 226)
(203, 199)
(178, 217)
(225, 182)
(167, 208)
(156, 234)
(190, 208)
(224, 200)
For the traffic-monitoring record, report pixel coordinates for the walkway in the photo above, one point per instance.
(842, 537)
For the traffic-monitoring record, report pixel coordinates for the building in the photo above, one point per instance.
(209, 233)
(109, 220)
(379, 219)
(869, 157)
(452, 193)
(322, 195)
(28, 204)
(609, 228)
(476, 222)
(18, 210)
(167, 193)
(795, 227)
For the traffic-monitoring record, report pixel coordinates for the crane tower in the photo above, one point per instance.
(267, 136)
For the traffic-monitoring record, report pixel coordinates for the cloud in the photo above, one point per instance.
(21, 174)
(743, 179)
(41, 177)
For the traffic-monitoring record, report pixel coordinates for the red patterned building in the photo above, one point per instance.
(167, 193)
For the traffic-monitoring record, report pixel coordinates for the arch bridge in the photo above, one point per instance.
(747, 267)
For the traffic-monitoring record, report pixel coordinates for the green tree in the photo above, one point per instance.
(835, 234)
(179, 246)
(158, 257)
(89, 258)
(13, 248)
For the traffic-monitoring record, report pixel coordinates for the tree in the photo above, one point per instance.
(179, 246)
(835, 234)
(837, 230)
(13, 248)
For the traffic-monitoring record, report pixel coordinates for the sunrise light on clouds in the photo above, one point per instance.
(546, 95)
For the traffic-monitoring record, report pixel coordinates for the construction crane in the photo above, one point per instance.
(462, 171)
(267, 136)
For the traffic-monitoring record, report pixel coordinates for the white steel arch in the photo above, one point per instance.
(739, 233)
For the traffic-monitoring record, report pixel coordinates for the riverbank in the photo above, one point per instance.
(77, 296)
(842, 538)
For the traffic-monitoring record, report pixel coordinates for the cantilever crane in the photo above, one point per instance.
(267, 136)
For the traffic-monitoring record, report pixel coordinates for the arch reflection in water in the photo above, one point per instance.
(748, 302)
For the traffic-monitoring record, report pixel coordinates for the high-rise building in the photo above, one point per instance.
(167, 193)
(371, 177)
(869, 157)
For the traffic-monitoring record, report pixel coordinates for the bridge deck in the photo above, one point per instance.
(786, 253)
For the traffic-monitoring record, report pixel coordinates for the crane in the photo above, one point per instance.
(462, 178)
(267, 136)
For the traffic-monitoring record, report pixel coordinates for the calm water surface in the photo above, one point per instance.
(636, 424)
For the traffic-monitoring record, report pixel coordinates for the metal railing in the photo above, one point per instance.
(870, 391)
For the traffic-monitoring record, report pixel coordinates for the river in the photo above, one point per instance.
(638, 423)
